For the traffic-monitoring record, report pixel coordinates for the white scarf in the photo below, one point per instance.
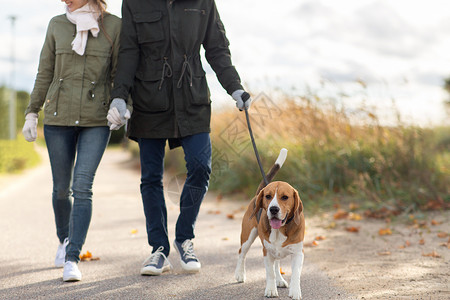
(85, 18)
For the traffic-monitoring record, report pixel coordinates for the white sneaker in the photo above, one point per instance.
(71, 272)
(61, 254)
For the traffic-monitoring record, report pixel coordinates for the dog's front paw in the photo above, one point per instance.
(240, 276)
(295, 293)
(271, 292)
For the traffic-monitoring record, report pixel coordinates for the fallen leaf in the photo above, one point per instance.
(88, 257)
(407, 244)
(352, 229)
(281, 271)
(442, 235)
(320, 238)
(353, 206)
(225, 239)
(382, 213)
(385, 231)
(312, 244)
(332, 225)
(422, 242)
(230, 216)
(384, 253)
(133, 231)
(434, 222)
(214, 212)
(340, 214)
(446, 245)
(355, 217)
(432, 254)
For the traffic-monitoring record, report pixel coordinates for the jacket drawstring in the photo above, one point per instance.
(166, 72)
(186, 66)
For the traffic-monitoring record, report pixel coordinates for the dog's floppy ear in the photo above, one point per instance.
(258, 203)
(298, 207)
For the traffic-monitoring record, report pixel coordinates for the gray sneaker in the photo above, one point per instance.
(156, 263)
(189, 261)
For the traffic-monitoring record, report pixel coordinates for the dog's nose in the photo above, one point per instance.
(274, 210)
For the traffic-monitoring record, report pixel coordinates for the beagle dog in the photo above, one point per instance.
(275, 214)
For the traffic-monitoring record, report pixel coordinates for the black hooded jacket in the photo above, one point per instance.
(160, 66)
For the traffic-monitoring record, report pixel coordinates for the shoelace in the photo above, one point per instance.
(188, 249)
(154, 257)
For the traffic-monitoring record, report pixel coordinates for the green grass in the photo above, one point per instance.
(17, 155)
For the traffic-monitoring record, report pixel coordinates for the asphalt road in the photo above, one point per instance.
(117, 237)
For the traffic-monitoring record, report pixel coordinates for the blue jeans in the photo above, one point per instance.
(75, 153)
(197, 154)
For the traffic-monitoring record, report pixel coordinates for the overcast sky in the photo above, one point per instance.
(400, 49)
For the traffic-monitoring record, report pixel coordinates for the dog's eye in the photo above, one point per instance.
(284, 197)
(268, 197)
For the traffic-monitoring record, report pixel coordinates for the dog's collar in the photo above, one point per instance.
(289, 220)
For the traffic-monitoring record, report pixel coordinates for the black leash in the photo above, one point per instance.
(245, 96)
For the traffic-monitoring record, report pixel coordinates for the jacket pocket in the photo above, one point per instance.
(199, 91)
(94, 101)
(148, 26)
(52, 98)
(148, 97)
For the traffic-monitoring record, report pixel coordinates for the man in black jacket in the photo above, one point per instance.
(160, 68)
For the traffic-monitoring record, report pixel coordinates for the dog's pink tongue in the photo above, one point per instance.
(275, 223)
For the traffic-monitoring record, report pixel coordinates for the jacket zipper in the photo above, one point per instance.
(57, 96)
(169, 6)
(202, 11)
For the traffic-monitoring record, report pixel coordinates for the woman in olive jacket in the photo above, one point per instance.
(76, 68)
(159, 65)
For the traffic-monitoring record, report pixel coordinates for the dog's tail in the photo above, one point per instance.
(274, 170)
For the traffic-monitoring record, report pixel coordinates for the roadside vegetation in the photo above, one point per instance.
(18, 154)
(335, 155)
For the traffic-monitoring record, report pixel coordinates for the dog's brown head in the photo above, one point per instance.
(281, 202)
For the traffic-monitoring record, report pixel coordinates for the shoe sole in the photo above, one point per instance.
(183, 265)
(154, 272)
(71, 279)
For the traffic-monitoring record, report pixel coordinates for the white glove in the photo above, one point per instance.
(237, 96)
(118, 114)
(29, 129)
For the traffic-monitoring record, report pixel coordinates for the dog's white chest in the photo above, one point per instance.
(273, 247)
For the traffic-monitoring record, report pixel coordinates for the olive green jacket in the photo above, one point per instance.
(160, 65)
(74, 89)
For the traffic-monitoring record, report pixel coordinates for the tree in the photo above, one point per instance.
(447, 89)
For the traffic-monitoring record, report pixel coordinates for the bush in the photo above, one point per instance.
(17, 155)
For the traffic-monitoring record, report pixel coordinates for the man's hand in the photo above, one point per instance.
(241, 103)
(118, 114)
(30, 127)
